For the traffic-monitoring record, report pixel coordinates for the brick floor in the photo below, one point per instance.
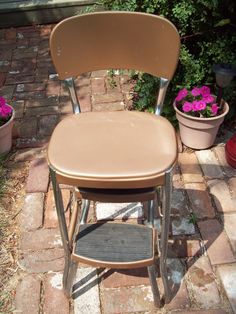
(27, 298)
(202, 284)
(127, 300)
(227, 275)
(222, 197)
(201, 255)
(216, 242)
(38, 176)
(209, 164)
(190, 168)
(200, 200)
(32, 212)
(55, 300)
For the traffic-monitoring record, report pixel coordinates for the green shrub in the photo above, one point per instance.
(208, 36)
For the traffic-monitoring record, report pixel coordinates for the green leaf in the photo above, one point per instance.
(222, 22)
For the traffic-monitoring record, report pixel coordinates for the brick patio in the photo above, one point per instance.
(202, 257)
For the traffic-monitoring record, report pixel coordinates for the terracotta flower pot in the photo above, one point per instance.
(6, 135)
(199, 133)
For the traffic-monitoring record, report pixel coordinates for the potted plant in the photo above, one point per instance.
(199, 116)
(6, 124)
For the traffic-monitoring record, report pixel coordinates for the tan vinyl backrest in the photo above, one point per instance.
(115, 40)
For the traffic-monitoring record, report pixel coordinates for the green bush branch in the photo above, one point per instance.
(208, 36)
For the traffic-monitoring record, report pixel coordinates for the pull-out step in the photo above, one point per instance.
(115, 245)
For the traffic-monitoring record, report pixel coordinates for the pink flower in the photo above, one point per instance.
(2, 113)
(2, 101)
(196, 91)
(214, 109)
(209, 99)
(200, 105)
(187, 106)
(181, 94)
(194, 105)
(5, 111)
(205, 91)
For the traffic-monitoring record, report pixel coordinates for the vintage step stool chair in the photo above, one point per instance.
(122, 156)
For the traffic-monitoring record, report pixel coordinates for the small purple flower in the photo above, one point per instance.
(196, 91)
(214, 109)
(181, 94)
(205, 91)
(200, 105)
(187, 106)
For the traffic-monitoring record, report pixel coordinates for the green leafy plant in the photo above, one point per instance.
(208, 36)
(192, 218)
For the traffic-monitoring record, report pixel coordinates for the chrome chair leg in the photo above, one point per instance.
(167, 189)
(154, 287)
(151, 268)
(63, 228)
(84, 213)
(159, 200)
(150, 217)
(72, 268)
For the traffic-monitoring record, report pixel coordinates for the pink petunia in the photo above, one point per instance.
(5, 111)
(2, 113)
(209, 99)
(2, 101)
(205, 91)
(214, 109)
(200, 105)
(187, 106)
(194, 105)
(181, 94)
(196, 91)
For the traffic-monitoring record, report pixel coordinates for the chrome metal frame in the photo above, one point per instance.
(70, 266)
(151, 268)
(161, 95)
(70, 83)
(84, 212)
(154, 286)
(165, 225)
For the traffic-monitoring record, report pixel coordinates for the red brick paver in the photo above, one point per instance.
(55, 300)
(190, 168)
(216, 241)
(28, 295)
(200, 200)
(32, 212)
(38, 176)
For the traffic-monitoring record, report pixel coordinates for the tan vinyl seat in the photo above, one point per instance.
(105, 158)
(122, 156)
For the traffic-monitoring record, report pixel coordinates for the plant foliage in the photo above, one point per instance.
(208, 36)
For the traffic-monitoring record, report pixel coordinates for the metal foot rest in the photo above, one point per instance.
(114, 245)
